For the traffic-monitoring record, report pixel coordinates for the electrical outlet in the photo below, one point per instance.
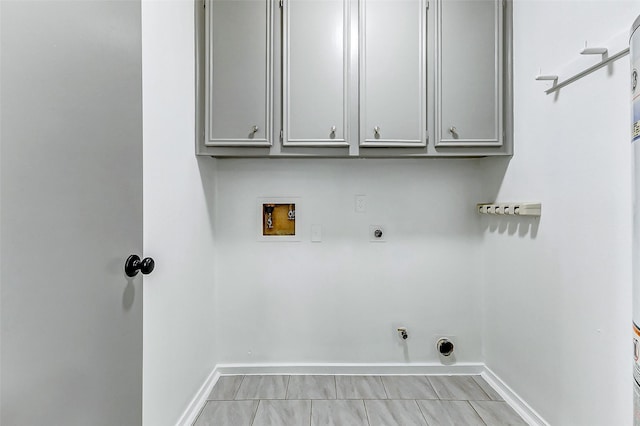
(361, 203)
(316, 233)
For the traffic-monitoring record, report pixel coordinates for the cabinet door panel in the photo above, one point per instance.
(239, 82)
(392, 73)
(469, 77)
(316, 72)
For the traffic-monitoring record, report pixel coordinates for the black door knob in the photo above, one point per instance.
(134, 264)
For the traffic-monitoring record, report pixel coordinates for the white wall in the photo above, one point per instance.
(558, 312)
(554, 294)
(340, 300)
(179, 338)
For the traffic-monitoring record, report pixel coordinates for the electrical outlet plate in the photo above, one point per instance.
(361, 203)
(372, 234)
(316, 233)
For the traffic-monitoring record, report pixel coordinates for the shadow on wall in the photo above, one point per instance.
(207, 167)
(495, 170)
(512, 225)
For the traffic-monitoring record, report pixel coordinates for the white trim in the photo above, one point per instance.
(352, 369)
(513, 399)
(193, 409)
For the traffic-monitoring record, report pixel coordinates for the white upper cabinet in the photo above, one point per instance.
(315, 72)
(469, 76)
(393, 73)
(238, 69)
(354, 78)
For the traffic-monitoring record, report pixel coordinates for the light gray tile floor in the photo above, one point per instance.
(360, 387)
(226, 388)
(339, 412)
(408, 387)
(355, 401)
(237, 413)
(449, 413)
(458, 388)
(497, 413)
(263, 387)
(312, 387)
(394, 412)
(487, 388)
(283, 413)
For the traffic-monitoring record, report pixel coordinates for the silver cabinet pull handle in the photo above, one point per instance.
(333, 129)
(376, 131)
(453, 130)
(255, 129)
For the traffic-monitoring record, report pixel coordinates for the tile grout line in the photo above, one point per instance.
(474, 409)
(287, 388)
(366, 412)
(292, 399)
(434, 388)
(286, 391)
(235, 395)
(255, 413)
(423, 416)
(481, 388)
(384, 387)
(335, 384)
(311, 412)
(199, 414)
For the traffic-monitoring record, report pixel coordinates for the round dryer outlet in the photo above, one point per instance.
(444, 346)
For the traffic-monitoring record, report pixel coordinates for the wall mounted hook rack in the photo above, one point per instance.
(606, 59)
(549, 77)
(510, 209)
(594, 50)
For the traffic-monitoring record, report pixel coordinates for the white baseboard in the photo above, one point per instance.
(352, 369)
(513, 399)
(193, 409)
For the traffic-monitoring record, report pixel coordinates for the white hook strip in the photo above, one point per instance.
(510, 209)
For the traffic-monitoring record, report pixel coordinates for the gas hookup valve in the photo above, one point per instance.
(402, 331)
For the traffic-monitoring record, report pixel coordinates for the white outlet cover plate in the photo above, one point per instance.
(360, 203)
(316, 233)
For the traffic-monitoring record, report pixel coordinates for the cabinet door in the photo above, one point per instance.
(392, 73)
(469, 73)
(239, 67)
(315, 89)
